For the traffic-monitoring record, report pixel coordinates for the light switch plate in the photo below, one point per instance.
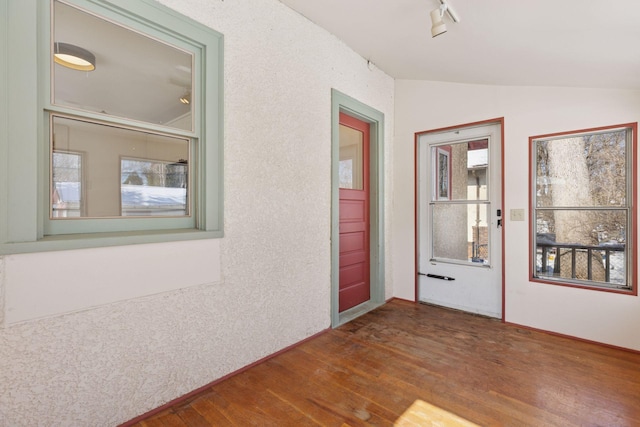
(517, 214)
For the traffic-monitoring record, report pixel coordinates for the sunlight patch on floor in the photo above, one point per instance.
(423, 414)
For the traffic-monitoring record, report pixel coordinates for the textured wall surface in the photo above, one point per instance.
(45, 284)
(102, 362)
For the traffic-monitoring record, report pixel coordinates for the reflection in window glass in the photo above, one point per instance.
(442, 173)
(149, 81)
(346, 173)
(150, 188)
(66, 197)
(351, 171)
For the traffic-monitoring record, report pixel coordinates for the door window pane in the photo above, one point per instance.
(135, 76)
(460, 232)
(459, 181)
(351, 164)
(460, 171)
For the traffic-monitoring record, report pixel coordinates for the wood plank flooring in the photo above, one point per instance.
(372, 370)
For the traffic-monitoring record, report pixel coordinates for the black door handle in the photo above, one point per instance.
(437, 276)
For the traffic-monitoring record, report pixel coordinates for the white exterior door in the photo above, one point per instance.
(459, 211)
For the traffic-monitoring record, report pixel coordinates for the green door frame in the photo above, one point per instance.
(341, 103)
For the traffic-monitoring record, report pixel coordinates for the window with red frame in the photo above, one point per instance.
(583, 210)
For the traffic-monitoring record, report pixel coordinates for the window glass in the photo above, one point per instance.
(598, 256)
(586, 170)
(351, 158)
(125, 172)
(131, 75)
(471, 242)
(153, 187)
(442, 160)
(460, 171)
(460, 207)
(66, 191)
(582, 209)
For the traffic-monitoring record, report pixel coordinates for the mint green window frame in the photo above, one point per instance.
(25, 110)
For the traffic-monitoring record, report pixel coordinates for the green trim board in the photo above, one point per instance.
(24, 111)
(341, 102)
(4, 107)
(21, 115)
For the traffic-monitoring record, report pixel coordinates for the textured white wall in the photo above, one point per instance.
(527, 111)
(112, 342)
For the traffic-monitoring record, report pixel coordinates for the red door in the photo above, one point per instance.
(354, 286)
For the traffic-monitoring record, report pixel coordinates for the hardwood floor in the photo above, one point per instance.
(373, 369)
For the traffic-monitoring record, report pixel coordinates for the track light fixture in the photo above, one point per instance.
(437, 24)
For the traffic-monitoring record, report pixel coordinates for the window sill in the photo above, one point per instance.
(98, 240)
(620, 290)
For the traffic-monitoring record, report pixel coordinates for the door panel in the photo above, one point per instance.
(352, 208)
(352, 242)
(459, 210)
(354, 275)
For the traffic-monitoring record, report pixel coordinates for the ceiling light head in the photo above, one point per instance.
(437, 24)
(73, 57)
(186, 98)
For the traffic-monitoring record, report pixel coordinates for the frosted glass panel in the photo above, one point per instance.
(460, 232)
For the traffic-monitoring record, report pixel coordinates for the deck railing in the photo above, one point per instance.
(559, 250)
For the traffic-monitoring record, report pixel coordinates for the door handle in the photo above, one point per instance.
(437, 276)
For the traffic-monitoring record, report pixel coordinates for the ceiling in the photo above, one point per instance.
(573, 43)
(122, 85)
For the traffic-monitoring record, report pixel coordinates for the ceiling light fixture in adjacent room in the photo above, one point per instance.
(437, 24)
(74, 57)
(186, 98)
